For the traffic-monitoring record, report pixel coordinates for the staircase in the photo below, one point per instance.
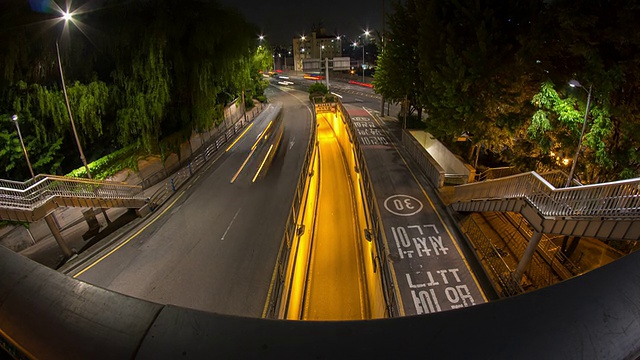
(32, 200)
(603, 211)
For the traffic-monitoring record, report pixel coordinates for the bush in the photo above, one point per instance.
(317, 89)
(111, 164)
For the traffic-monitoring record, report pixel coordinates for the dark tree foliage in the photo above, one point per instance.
(498, 71)
(398, 77)
(139, 73)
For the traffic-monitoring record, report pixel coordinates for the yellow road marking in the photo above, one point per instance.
(242, 166)
(275, 269)
(261, 165)
(239, 137)
(436, 211)
(129, 239)
(17, 345)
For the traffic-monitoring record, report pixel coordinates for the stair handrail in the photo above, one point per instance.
(618, 199)
(33, 194)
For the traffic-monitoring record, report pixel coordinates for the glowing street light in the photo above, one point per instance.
(68, 16)
(366, 35)
(576, 83)
(24, 149)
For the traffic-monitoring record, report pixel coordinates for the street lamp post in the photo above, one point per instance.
(73, 125)
(24, 149)
(67, 16)
(366, 34)
(576, 83)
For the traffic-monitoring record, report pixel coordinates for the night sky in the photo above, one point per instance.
(281, 20)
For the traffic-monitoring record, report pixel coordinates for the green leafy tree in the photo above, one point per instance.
(397, 75)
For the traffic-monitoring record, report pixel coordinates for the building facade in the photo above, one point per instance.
(318, 45)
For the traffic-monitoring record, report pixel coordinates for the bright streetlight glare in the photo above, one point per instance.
(366, 33)
(67, 16)
(261, 37)
(303, 37)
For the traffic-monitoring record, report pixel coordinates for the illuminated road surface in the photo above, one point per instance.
(334, 284)
(215, 247)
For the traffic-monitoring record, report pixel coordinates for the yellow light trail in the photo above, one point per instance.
(239, 137)
(261, 165)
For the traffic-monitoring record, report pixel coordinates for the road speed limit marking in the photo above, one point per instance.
(403, 205)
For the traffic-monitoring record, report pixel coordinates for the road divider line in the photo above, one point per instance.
(130, 238)
(239, 137)
(231, 223)
(262, 164)
(242, 166)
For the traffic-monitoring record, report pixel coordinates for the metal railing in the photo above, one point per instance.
(217, 137)
(198, 159)
(495, 173)
(619, 199)
(491, 258)
(31, 195)
(393, 306)
(291, 231)
(434, 172)
(556, 258)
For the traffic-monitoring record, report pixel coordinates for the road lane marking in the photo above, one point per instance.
(130, 238)
(424, 192)
(231, 223)
(274, 275)
(262, 164)
(242, 166)
(239, 137)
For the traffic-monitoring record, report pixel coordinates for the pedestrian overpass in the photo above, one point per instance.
(39, 197)
(35, 199)
(608, 211)
(46, 314)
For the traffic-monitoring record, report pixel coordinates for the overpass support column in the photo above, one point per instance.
(526, 257)
(58, 235)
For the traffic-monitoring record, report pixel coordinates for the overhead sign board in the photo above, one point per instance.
(341, 63)
(311, 65)
(325, 107)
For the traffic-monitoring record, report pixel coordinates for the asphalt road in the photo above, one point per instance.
(356, 95)
(215, 246)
